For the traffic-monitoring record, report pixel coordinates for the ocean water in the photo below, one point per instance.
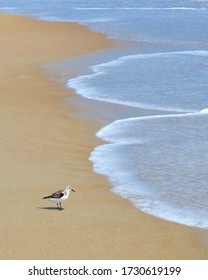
(159, 161)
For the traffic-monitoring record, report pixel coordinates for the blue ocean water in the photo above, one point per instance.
(158, 162)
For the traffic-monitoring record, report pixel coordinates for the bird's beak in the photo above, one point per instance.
(73, 190)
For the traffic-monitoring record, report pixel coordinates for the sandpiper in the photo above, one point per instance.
(59, 196)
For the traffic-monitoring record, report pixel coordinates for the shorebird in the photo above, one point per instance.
(59, 196)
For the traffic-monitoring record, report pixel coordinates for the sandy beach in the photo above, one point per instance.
(45, 146)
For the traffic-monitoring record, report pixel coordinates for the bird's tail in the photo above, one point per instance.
(45, 197)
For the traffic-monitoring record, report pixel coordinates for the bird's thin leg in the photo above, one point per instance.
(60, 206)
(57, 206)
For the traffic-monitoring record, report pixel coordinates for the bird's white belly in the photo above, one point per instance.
(57, 200)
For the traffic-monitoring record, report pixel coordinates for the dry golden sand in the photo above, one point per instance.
(43, 149)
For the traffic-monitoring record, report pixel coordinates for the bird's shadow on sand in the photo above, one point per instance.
(50, 208)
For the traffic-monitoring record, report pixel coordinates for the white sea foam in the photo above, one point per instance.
(78, 84)
(105, 132)
(148, 55)
(114, 63)
(125, 183)
(204, 111)
(81, 86)
(143, 8)
(90, 93)
(116, 161)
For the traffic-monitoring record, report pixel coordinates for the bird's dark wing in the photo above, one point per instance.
(57, 194)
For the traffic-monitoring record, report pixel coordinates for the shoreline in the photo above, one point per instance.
(46, 146)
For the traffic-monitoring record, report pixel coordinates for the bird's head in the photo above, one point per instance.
(69, 188)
